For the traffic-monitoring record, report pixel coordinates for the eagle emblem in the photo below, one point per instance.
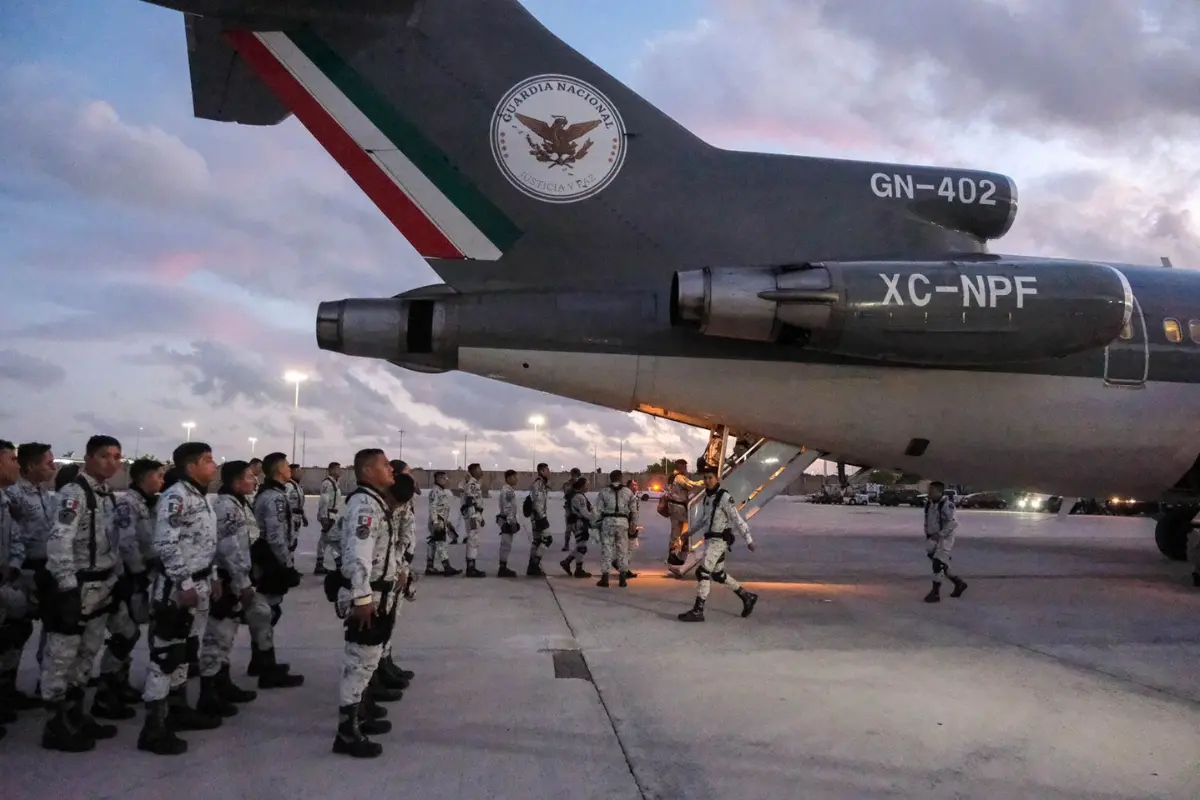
(559, 145)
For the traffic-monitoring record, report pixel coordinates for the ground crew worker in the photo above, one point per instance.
(615, 507)
(472, 512)
(32, 509)
(539, 500)
(76, 593)
(185, 544)
(271, 554)
(509, 521)
(328, 509)
(566, 489)
(295, 493)
(440, 527)
(677, 496)
(134, 529)
(940, 526)
(15, 623)
(719, 519)
(581, 519)
(371, 558)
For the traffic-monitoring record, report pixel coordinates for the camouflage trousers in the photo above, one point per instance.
(124, 630)
(358, 665)
(712, 568)
(614, 545)
(506, 541)
(937, 550)
(583, 534)
(473, 528)
(324, 541)
(220, 634)
(15, 626)
(169, 656)
(68, 658)
(438, 553)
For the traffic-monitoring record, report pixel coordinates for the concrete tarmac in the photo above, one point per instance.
(1069, 669)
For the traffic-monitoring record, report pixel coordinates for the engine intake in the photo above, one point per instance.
(971, 311)
(413, 333)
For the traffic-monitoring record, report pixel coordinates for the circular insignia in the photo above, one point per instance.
(363, 532)
(558, 139)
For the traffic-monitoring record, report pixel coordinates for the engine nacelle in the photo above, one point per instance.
(971, 311)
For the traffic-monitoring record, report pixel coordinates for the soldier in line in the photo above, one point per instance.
(676, 498)
(76, 594)
(940, 526)
(539, 500)
(472, 512)
(581, 520)
(509, 521)
(615, 508)
(185, 544)
(274, 570)
(32, 508)
(328, 509)
(295, 493)
(394, 675)
(15, 624)
(439, 527)
(566, 490)
(371, 558)
(719, 518)
(134, 530)
(256, 469)
(635, 530)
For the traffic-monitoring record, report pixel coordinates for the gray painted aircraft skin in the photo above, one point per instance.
(593, 248)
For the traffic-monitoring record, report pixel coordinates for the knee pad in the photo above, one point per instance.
(276, 613)
(939, 567)
(719, 576)
(171, 657)
(121, 646)
(192, 646)
(581, 549)
(546, 541)
(702, 574)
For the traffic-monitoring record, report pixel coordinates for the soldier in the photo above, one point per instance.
(295, 493)
(719, 518)
(539, 500)
(76, 593)
(615, 507)
(566, 490)
(676, 499)
(256, 469)
(134, 530)
(940, 526)
(32, 508)
(328, 509)
(395, 675)
(509, 521)
(472, 512)
(581, 519)
(15, 623)
(635, 531)
(274, 571)
(439, 527)
(371, 558)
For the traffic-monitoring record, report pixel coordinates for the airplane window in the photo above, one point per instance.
(1194, 330)
(1127, 330)
(1172, 330)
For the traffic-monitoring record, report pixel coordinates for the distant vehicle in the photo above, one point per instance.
(858, 499)
(983, 500)
(901, 497)
(1129, 507)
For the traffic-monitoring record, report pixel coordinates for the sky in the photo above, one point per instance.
(158, 269)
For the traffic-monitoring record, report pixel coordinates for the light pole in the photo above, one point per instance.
(137, 446)
(537, 420)
(253, 442)
(292, 376)
(455, 458)
(401, 456)
(189, 426)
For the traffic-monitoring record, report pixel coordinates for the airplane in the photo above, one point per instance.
(593, 248)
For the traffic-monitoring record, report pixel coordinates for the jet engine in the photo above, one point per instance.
(971, 311)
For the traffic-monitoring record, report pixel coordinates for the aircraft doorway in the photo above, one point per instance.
(1127, 359)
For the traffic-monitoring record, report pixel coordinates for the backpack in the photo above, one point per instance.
(527, 506)
(663, 508)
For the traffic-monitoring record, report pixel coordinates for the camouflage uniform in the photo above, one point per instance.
(581, 520)
(439, 527)
(76, 590)
(940, 526)
(539, 494)
(16, 626)
(135, 541)
(185, 543)
(472, 511)
(509, 521)
(235, 521)
(719, 519)
(295, 494)
(329, 508)
(32, 509)
(272, 552)
(678, 494)
(404, 523)
(615, 507)
(567, 527)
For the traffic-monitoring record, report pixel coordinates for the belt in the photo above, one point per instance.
(93, 575)
(201, 574)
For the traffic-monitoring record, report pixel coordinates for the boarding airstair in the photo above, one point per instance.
(756, 475)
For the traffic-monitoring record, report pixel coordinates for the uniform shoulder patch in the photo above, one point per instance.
(68, 510)
(124, 515)
(174, 511)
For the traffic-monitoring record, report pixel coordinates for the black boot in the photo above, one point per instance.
(449, 571)
(156, 736)
(380, 693)
(603, 579)
(935, 594)
(430, 569)
(60, 734)
(622, 579)
(580, 572)
(255, 669)
(960, 586)
(749, 599)
(534, 570)
(108, 702)
(472, 572)
(389, 678)
(695, 614)
(395, 669)
(83, 721)
(182, 717)
(372, 720)
(504, 571)
(320, 569)
(13, 699)
(230, 690)
(128, 693)
(350, 739)
(566, 565)
(275, 675)
(211, 701)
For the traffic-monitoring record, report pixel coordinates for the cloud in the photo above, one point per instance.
(29, 370)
